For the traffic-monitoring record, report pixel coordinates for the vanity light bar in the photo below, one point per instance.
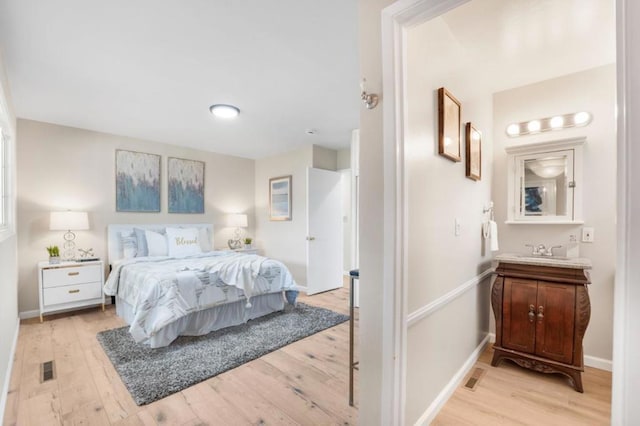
(556, 122)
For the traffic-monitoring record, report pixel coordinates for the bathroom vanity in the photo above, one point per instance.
(542, 309)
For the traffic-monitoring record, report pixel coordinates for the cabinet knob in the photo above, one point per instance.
(74, 291)
(73, 273)
(540, 313)
(532, 313)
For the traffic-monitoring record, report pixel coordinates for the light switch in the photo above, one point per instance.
(587, 235)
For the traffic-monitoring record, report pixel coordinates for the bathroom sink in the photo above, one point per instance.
(553, 261)
(532, 256)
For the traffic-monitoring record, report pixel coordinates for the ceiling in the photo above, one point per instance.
(150, 69)
(513, 43)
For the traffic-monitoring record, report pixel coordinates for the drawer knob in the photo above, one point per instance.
(74, 291)
(73, 273)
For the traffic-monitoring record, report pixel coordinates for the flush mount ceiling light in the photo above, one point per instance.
(556, 122)
(224, 111)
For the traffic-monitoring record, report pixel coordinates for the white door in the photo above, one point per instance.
(324, 230)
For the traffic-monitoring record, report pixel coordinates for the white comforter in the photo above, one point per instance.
(164, 289)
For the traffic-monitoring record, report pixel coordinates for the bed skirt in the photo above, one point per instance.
(208, 320)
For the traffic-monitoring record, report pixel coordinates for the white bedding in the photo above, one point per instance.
(161, 290)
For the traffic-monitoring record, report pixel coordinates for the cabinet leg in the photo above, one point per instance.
(103, 307)
(41, 319)
(576, 378)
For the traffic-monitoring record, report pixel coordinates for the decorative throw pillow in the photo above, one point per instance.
(205, 242)
(141, 239)
(156, 244)
(129, 244)
(183, 241)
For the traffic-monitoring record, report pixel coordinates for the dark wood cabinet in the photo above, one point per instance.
(541, 313)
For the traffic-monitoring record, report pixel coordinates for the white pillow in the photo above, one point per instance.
(156, 244)
(129, 244)
(183, 241)
(205, 243)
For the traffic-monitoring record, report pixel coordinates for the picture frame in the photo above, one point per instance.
(280, 198)
(137, 176)
(185, 186)
(449, 125)
(473, 152)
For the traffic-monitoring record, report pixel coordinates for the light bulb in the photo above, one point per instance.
(556, 122)
(581, 118)
(533, 126)
(513, 129)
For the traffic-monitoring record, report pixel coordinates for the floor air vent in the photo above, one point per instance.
(474, 379)
(47, 371)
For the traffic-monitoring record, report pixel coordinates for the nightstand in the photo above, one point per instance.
(241, 250)
(70, 285)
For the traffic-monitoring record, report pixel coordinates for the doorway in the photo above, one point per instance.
(398, 19)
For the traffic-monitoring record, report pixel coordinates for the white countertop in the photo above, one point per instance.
(560, 262)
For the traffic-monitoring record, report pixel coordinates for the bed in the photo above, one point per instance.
(188, 292)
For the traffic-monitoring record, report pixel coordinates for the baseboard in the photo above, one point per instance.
(601, 363)
(589, 361)
(7, 379)
(430, 414)
(29, 314)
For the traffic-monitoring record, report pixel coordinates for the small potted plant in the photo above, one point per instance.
(54, 254)
(247, 243)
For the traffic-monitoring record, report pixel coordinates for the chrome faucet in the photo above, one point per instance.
(542, 250)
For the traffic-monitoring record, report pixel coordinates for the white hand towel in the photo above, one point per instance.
(493, 234)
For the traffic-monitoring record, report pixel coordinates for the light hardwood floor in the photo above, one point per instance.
(303, 383)
(511, 395)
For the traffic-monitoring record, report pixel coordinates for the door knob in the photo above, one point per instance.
(311, 238)
(540, 313)
(532, 313)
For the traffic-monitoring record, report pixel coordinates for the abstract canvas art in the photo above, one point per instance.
(137, 182)
(186, 185)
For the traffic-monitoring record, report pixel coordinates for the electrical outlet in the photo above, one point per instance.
(587, 235)
(573, 238)
(457, 227)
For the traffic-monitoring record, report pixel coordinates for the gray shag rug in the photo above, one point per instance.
(151, 374)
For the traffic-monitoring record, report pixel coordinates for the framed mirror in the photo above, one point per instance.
(544, 182)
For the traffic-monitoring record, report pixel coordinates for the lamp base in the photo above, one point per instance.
(69, 246)
(234, 244)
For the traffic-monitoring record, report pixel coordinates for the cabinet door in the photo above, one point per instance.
(555, 319)
(518, 314)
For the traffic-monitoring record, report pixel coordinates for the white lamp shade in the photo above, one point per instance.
(69, 221)
(237, 221)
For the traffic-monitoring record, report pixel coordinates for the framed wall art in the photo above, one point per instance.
(137, 181)
(473, 157)
(280, 198)
(449, 115)
(186, 185)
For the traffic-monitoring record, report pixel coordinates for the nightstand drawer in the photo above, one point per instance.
(72, 293)
(56, 277)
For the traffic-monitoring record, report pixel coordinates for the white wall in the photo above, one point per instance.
(284, 240)
(437, 193)
(8, 263)
(593, 90)
(371, 174)
(63, 168)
